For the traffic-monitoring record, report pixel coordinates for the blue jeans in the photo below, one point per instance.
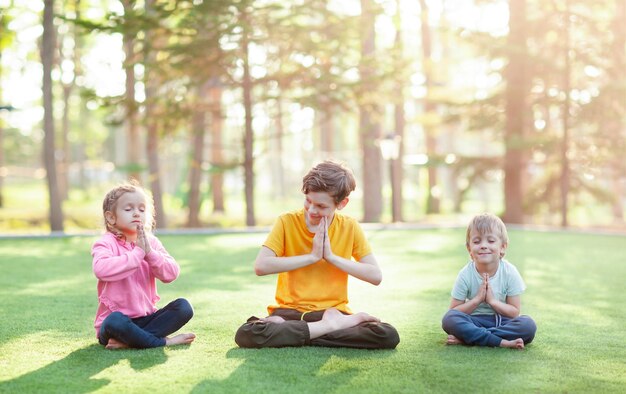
(147, 331)
(488, 330)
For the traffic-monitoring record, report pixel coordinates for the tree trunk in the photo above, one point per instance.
(430, 132)
(369, 122)
(64, 162)
(198, 128)
(152, 142)
(618, 128)
(131, 124)
(565, 167)
(217, 177)
(516, 92)
(47, 60)
(248, 140)
(399, 123)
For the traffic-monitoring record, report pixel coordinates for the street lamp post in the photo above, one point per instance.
(390, 151)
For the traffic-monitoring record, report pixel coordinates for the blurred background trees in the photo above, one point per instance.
(442, 108)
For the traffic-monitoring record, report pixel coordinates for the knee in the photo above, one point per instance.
(450, 319)
(389, 337)
(185, 309)
(529, 328)
(115, 322)
(244, 337)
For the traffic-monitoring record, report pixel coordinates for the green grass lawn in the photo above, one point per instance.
(575, 294)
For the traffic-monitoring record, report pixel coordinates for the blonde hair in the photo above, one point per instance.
(485, 223)
(112, 197)
(331, 177)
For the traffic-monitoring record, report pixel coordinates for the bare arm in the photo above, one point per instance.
(268, 263)
(511, 308)
(463, 306)
(366, 269)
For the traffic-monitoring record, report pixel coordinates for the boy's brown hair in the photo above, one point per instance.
(331, 177)
(485, 223)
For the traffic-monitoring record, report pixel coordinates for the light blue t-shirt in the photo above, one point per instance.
(506, 282)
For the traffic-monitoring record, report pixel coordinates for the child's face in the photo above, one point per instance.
(130, 212)
(320, 204)
(485, 248)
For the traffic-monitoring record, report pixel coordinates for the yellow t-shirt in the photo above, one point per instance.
(320, 285)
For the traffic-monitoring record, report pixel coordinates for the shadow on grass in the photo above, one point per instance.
(309, 369)
(73, 373)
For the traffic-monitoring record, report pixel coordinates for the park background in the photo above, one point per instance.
(442, 108)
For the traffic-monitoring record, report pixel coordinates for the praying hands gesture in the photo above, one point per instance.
(142, 239)
(510, 308)
(489, 297)
(365, 269)
(321, 242)
(485, 294)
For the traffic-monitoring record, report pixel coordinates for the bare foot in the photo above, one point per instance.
(333, 320)
(180, 339)
(514, 344)
(272, 319)
(452, 340)
(115, 344)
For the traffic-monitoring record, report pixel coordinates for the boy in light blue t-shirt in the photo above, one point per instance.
(486, 297)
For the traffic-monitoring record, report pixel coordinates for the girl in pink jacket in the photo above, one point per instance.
(127, 260)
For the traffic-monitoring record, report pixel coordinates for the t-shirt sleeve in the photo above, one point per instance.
(276, 238)
(460, 290)
(515, 283)
(361, 247)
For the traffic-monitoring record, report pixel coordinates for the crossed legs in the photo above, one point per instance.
(482, 330)
(329, 328)
(120, 331)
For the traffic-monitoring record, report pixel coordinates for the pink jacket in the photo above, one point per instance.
(126, 276)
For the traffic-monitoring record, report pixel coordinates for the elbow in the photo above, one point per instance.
(377, 279)
(260, 269)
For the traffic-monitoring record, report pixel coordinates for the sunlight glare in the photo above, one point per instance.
(491, 17)
(103, 66)
(592, 71)
(540, 124)
(345, 7)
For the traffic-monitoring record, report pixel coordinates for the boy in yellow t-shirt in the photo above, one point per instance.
(311, 250)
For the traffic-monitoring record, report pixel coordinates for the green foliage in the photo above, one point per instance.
(49, 299)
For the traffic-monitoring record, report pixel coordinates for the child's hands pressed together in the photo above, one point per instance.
(142, 239)
(482, 290)
(318, 242)
(489, 297)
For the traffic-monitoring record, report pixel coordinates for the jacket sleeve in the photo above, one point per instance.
(162, 265)
(108, 266)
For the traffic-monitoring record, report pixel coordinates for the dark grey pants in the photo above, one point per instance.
(295, 332)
